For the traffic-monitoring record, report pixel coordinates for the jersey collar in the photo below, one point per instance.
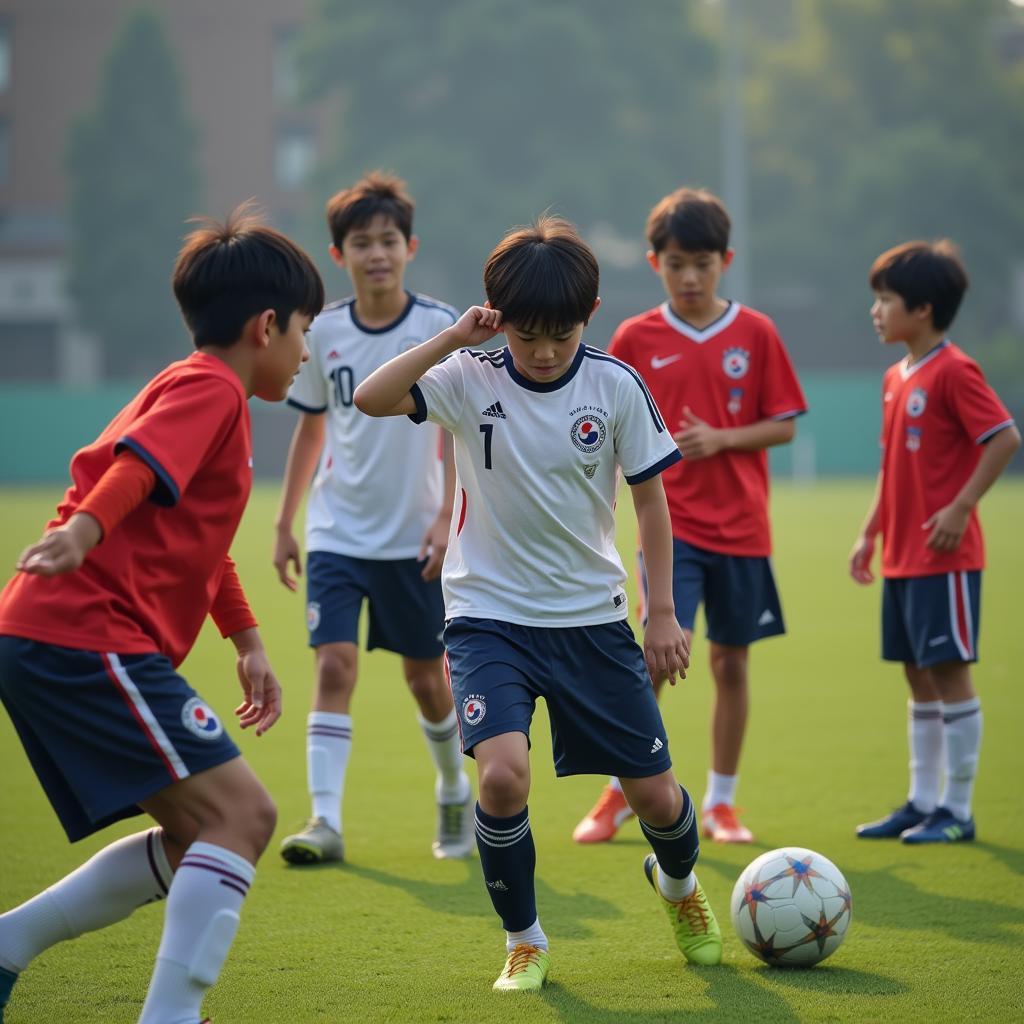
(702, 334)
(533, 385)
(908, 370)
(409, 303)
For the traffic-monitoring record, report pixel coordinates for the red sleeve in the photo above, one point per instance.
(121, 489)
(782, 398)
(975, 404)
(230, 610)
(617, 346)
(176, 434)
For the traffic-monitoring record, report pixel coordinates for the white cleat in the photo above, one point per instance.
(455, 827)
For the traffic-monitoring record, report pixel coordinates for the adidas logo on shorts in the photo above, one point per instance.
(657, 745)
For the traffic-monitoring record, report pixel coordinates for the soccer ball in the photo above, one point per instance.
(791, 907)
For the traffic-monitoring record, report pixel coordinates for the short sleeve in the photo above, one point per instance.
(175, 436)
(308, 392)
(619, 346)
(975, 404)
(643, 444)
(440, 393)
(782, 398)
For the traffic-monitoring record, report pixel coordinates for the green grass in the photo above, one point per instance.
(395, 936)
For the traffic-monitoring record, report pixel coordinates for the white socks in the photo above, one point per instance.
(533, 936)
(107, 888)
(675, 889)
(924, 737)
(446, 752)
(328, 744)
(202, 918)
(962, 723)
(721, 789)
(613, 783)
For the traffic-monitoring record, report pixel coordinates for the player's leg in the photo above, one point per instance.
(612, 809)
(491, 665)
(234, 818)
(336, 587)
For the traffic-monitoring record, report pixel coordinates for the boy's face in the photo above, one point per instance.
(542, 358)
(375, 255)
(690, 278)
(279, 359)
(894, 322)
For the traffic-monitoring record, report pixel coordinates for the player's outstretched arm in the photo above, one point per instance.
(864, 545)
(262, 692)
(948, 524)
(62, 549)
(303, 455)
(665, 647)
(386, 391)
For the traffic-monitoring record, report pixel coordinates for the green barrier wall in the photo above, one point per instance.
(42, 427)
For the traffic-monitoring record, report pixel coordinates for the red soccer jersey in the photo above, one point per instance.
(935, 415)
(732, 373)
(149, 585)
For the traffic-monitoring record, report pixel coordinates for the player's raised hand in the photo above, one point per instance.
(262, 704)
(860, 560)
(477, 325)
(947, 527)
(62, 549)
(665, 648)
(697, 439)
(433, 548)
(286, 550)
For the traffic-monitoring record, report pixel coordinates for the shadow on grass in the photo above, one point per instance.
(468, 898)
(1011, 856)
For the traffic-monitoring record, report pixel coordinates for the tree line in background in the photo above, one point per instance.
(868, 122)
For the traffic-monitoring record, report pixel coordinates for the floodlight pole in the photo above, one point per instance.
(737, 284)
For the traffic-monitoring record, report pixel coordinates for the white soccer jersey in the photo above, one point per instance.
(380, 482)
(533, 534)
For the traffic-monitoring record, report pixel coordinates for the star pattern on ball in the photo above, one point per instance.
(801, 872)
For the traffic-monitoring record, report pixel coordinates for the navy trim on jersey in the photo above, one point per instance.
(659, 467)
(496, 359)
(594, 353)
(790, 414)
(313, 410)
(165, 493)
(420, 415)
(989, 434)
(554, 385)
(410, 302)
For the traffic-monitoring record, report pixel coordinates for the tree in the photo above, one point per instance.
(134, 181)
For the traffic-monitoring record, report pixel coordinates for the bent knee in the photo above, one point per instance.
(505, 788)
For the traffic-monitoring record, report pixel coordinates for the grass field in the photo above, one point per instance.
(937, 933)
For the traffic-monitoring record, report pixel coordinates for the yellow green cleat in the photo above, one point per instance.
(525, 970)
(693, 921)
(317, 843)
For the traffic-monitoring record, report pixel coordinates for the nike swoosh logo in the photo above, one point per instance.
(657, 363)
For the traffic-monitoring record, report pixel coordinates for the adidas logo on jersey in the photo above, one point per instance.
(495, 411)
(657, 745)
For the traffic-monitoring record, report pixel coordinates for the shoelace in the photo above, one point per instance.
(520, 958)
(725, 814)
(692, 908)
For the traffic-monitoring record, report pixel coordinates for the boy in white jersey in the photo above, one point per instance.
(532, 580)
(365, 538)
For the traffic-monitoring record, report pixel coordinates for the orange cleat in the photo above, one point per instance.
(720, 824)
(603, 821)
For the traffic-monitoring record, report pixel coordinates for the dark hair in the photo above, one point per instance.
(543, 277)
(227, 273)
(923, 272)
(377, 192)
(694, 217)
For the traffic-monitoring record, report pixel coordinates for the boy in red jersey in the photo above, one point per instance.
(109, 602)
(719, 372)
(946, 437)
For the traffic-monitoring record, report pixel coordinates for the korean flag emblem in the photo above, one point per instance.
(736, 362)
(916, 402)
(473, 709)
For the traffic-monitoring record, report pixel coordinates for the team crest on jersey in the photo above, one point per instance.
(736, 362)
(589, 469)
(200, 720)
(588, 433)
(312, 615)
(735, 401)
(916, 402)
(913, 439)
(473, 709)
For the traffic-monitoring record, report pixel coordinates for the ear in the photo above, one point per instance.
(727, 258)
(336, 255)
(411, 247)
(654, 260)
(922, 312)
(597, 302)
(263, 323)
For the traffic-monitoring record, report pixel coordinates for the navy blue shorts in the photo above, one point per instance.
(741, 601)
(104, 731)
(604, 716)
(930, 619)
(406, 613)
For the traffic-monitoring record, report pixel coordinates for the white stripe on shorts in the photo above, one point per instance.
(962, 642)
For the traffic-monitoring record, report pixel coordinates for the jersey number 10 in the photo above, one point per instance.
(344, 381)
